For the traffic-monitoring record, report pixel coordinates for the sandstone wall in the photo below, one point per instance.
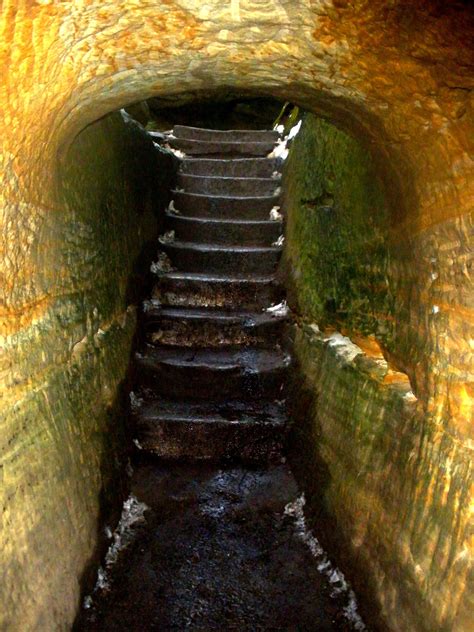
(338, 232)
(385, 480)
(397, 75)
(64, 354)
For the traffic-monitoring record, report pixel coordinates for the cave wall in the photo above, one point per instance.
(384, 479)
(337, 231)
(63, 360)
(398, 76)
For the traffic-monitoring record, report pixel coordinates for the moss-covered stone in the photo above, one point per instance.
(337, 230)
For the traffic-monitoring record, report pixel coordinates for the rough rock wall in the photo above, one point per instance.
(398, 75)
(337, 232)
(393, 488)
(388, 496)
(64, 355)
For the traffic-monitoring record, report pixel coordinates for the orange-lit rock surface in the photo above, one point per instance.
(391, 481)
(395, 75)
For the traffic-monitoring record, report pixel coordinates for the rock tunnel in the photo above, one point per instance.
(378, 196)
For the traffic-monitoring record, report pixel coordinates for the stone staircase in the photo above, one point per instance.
(210, 370)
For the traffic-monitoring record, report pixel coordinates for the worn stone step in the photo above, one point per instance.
(232, 135)
(233, 167)
(209, 327)
(240, 431)
(220, 185)
(224, 231)
(224, 206)
(206, 148)
(213, 374)
(218, 290)
(197, 257)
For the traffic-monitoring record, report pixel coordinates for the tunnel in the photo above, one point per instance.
(377, 262)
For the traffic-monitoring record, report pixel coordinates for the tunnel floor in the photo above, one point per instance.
(216, 551)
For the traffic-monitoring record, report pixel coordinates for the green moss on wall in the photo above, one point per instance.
(388, 486)
(336, 231)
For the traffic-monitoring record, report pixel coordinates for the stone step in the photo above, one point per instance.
(196, 257)
(206, 148)
(218, 290)
(213, 374)
(215, 185)
(210, 327)
(197, 431)
(224, 231)
(230, 207)
(236, 167)
(231, 135)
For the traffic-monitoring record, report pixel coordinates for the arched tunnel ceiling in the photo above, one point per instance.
(396, 74)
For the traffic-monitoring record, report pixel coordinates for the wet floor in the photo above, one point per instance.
(215, 550)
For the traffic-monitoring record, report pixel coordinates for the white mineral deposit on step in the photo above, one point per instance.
(275, 214)
(162, 265)
(149, 304)
(172, 209)
(108, 532)
(280, 151)
(278, 310)
(177, 152)
(132, 514)
(336, 578)
(135, 402)
(294, 130)
(167, 238)
(102, 582)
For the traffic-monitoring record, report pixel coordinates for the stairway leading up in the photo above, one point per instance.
(211, 370)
